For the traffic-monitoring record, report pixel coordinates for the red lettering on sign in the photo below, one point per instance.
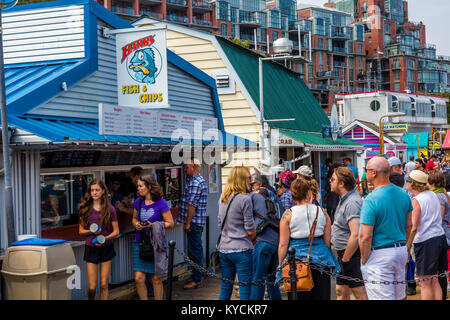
(135, 45)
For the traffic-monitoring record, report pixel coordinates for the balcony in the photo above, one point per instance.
(201, 6)
(123, 10)
(338, 64)
(339, 50)
(249, 19)
(149, 13)
(336, 34)
(202, 22)
(305, 26)
(175, 18)
(333, 74)
(150, 3)
(177, 3)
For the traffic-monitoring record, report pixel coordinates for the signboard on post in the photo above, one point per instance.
(395, 127)
(142, 68)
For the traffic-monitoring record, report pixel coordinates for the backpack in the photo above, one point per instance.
(272, 219)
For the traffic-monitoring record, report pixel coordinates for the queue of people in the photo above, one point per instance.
(401, 223)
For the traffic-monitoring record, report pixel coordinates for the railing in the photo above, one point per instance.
(328, 74)
(178, 2)
(248, 37)
(339, 34)
(202, 4)
(338, 64)
(340, 50)
(148, 12)
(202, 22)
(304, 25)
(123, 10)
(174, 17)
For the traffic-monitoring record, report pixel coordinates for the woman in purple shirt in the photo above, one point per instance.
(96, 209)
(152, 207)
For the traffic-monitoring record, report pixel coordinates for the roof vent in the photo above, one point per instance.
(223, 81)
(282, 47)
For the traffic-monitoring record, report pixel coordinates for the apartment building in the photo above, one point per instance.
(398, 55)
(195, 13)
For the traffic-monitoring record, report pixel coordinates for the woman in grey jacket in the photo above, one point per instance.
(238, 234)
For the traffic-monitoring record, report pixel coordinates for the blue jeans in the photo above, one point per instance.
(265, 262)
(230, 263)
(195, 250)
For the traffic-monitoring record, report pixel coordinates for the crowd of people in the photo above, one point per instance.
(395, 227)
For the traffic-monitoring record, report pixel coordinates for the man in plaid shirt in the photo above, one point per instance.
(192, 213)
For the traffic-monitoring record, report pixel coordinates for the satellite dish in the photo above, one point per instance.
(6, 4)
(334, 123)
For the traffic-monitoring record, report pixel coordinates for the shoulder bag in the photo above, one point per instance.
(215, 254)
(303, 270)
(146, 252)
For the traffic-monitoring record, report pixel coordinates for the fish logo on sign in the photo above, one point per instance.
(144, 63)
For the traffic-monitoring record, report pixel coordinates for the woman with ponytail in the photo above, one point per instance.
(98, 222)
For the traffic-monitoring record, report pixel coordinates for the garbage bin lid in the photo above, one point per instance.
(38, 242)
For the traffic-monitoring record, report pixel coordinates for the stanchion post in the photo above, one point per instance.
(170, 271)
(207, 243)
(292, 273)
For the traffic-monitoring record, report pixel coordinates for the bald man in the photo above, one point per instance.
(385, 222)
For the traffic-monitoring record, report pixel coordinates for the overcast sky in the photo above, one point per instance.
(433, 13)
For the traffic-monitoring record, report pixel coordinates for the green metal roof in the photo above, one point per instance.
(316, 139)
(285, 93)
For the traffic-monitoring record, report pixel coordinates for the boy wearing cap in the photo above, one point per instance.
(396, 176)
(283, 192)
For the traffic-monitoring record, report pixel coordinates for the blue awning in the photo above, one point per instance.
(87, 131)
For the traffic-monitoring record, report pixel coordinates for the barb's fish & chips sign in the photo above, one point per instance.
(142, 68)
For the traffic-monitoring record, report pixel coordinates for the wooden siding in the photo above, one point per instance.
(366, 139)
(44, 34)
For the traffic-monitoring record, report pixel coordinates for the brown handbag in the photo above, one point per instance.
(303, 270)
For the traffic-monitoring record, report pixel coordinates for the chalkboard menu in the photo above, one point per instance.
(91, 158)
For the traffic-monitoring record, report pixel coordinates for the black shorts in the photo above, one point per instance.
(351, 269)
(98, 255)
(431, 256)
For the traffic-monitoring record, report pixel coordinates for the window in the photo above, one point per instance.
(320, 43)
(360, 48)
(61, 196)
(397, 75)
(224, 29)
(275, 35)
(375, 105)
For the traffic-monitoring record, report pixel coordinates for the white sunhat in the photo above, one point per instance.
(304, 171)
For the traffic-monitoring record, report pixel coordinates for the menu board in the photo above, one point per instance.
(83, 158)
(129, 121)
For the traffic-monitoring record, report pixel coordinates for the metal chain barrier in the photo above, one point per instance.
(321, 267)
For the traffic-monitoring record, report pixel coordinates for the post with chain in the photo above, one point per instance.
(292, 273)
(172, 244)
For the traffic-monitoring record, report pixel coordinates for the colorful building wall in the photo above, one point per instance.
(365, 138)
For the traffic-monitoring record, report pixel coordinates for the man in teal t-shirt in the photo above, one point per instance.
(385, 224)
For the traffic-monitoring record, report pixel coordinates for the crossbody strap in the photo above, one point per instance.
(312, 232)
(225, 219)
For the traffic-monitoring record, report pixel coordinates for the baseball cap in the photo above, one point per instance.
(304, 171)
(418, 177)
(394, 161)
(287, 177)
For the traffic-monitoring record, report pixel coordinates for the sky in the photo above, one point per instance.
(433, 13)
